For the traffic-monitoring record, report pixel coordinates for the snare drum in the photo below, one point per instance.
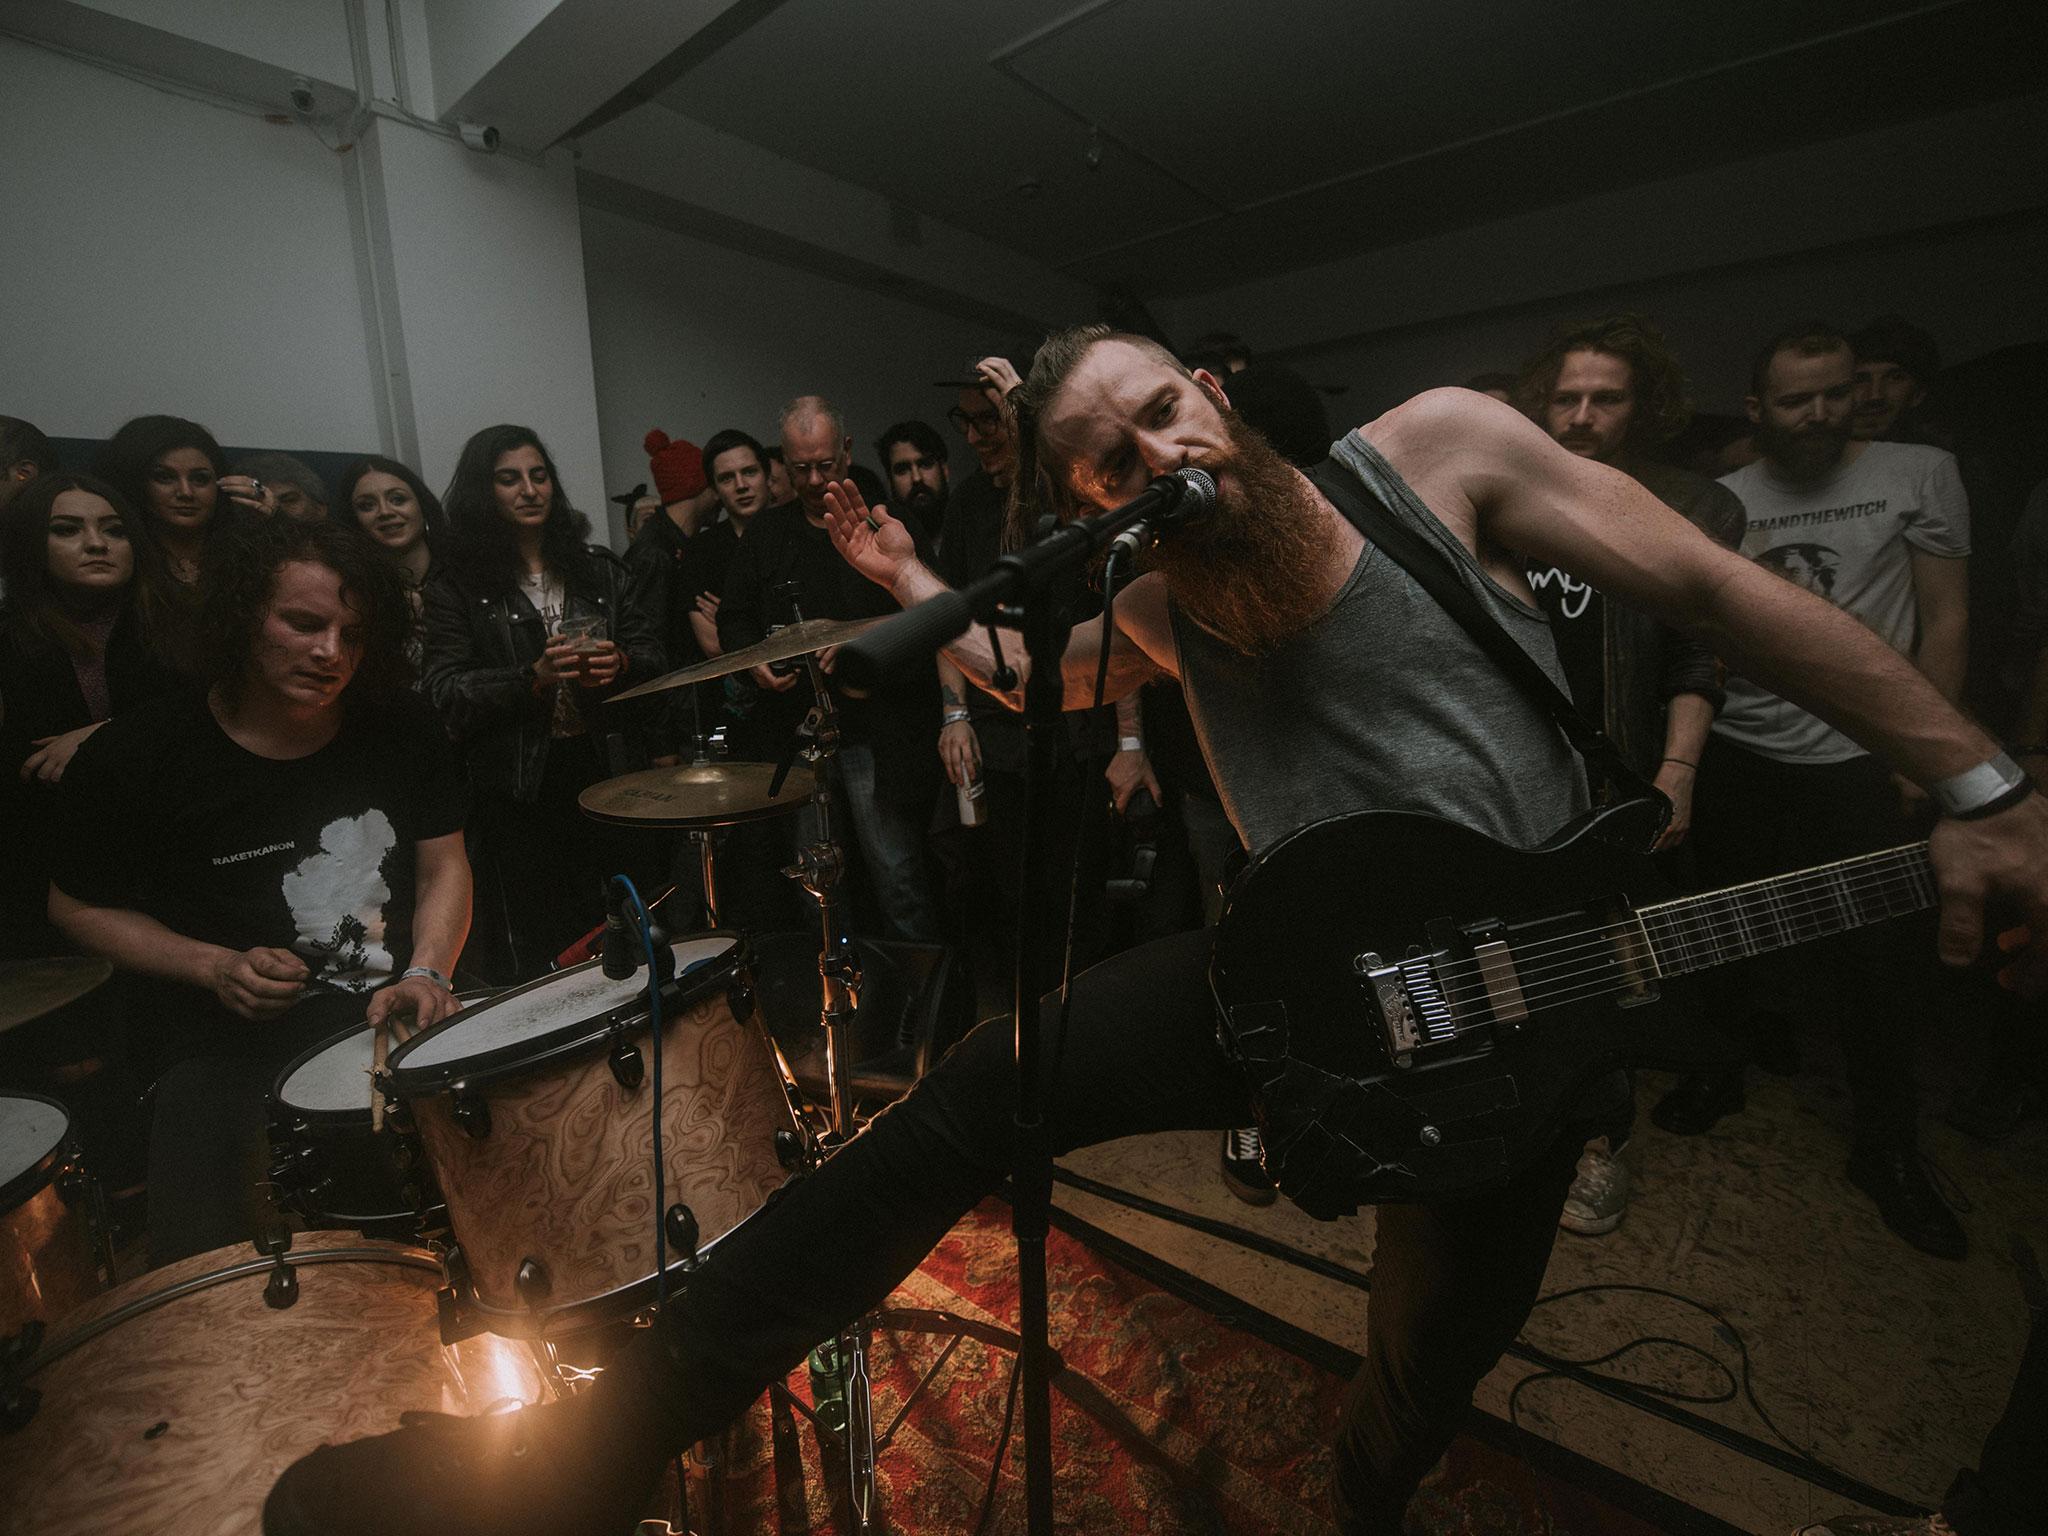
(53, 1252)
(532, 1111)
(330, 1167)
(173, 1403)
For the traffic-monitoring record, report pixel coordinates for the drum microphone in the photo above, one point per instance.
(616, 959)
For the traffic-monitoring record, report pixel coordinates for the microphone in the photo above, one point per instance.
(1188, 492)
(616, 959)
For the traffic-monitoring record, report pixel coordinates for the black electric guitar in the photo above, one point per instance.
(1420, 1006)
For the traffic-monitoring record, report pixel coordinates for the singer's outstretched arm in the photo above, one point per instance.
(1141, 645)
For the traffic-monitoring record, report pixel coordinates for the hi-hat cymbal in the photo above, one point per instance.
(31, 988)
(799, 639)
(695, 795)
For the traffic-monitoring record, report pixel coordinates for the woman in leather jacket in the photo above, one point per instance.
(527, 633)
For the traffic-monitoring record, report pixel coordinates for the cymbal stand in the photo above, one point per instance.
(819, 869)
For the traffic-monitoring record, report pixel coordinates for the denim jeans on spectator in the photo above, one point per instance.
(892, 846)
(1453, 1280)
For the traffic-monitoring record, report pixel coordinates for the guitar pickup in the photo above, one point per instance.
(1407, 1004)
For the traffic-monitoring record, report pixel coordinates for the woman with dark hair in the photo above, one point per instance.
(173, 472)
(393, 506)
(528, 631)
(71, 656)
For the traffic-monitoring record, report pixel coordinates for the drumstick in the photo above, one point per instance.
(376, 1086)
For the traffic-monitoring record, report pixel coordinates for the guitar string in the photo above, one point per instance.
(1803, 886)
(1714, 919)
(1623, 932)
(1612, 965)
(1623, 936)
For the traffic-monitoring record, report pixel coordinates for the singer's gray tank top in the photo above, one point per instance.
(1384, 702)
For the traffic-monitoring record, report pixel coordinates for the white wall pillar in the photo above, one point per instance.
(474, 275)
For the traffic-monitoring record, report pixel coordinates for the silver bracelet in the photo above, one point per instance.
(430, 974)
(1993, 784)
(955, 716)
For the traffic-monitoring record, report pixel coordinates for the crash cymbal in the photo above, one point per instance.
(799, 639)
(695, 795)
(31, 988)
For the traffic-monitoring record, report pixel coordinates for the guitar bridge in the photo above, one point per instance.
(1407, 1003)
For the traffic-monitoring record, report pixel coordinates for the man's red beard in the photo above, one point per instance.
(1255, 570)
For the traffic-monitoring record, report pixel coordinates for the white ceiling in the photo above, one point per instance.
(1242, 141)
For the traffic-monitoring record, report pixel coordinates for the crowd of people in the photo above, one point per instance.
(289, 752)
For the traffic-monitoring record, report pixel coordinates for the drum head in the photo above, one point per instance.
(333, 1077)
(32, 1128)
(173, 1403)
(540, 1018)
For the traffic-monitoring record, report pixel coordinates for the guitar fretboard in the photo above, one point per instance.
(1695, 932)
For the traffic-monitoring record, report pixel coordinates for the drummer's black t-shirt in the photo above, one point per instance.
(164, 813)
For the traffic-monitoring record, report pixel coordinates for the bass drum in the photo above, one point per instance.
(53, 1245)
(533, 1113)
(174, 1402)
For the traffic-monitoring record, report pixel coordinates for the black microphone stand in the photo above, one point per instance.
(1015, 594)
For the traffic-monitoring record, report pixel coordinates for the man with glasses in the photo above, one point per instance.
(786, 569)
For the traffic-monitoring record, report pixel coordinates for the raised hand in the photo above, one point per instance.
(872, 542)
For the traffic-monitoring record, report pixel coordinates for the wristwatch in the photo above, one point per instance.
(1984, 790)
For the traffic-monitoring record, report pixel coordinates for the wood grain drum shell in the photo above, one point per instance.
(564, 1174)
(50, 1241)
(181, 1413)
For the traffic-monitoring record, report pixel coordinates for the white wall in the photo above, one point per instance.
(1940, 219)
(485, 293)
(693, 337)
(165, 255)
(1975, 288)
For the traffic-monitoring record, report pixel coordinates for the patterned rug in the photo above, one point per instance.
(1166, 1421)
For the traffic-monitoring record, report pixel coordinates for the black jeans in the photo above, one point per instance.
(1753, 816)
(1453, 1282)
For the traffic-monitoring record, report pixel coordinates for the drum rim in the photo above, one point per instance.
(48, 1168)
(283, 1110)
(367, 1250)
(565, 1041)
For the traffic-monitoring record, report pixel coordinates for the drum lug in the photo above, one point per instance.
(457, 1322)
(789, 1148)
(740, 998)
(683, 1232)
(473, 1114)
(532, 1282)
(281, 1290)
(73, 1185)
(627, 1066)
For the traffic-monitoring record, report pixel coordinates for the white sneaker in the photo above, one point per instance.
(1599, 1193)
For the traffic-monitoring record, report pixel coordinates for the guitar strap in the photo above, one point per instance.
(1433, 571)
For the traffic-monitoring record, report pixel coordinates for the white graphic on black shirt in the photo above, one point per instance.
(1577, 594)
(337, 898)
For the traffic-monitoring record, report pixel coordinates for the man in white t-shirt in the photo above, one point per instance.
(1882, 530)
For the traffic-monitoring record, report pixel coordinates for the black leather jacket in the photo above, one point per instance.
(1648, 662)
(481, 644)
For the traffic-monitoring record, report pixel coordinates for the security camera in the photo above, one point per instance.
(480, 137)
(302, 96)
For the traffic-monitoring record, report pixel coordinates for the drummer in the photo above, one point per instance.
(266, 859)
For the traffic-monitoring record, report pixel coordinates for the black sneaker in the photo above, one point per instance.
(1244, 1168)
(1906, 1198)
